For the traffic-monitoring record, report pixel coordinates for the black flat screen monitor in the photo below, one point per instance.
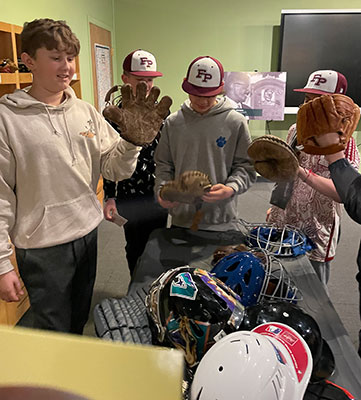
(320, 39)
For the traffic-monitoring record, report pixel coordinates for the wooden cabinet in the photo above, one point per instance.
(10, 48)
(10, 313)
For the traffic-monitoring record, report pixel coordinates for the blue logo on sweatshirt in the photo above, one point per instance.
(221, 141)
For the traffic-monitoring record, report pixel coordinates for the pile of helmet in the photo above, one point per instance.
(242, 334)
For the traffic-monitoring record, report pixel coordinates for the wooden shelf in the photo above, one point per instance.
(10, 313)
(5, 27)
(25, 77)
(7, 79)
(10, 48)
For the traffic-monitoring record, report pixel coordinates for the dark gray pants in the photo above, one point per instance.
(60, 281)
(143, 215)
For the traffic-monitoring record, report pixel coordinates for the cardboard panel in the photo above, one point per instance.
(93, 368)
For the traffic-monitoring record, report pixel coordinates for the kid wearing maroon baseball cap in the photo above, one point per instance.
(140, 66)
(311, 202)
(133, 198)
(206, 135)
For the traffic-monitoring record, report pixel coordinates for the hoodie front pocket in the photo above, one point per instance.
(63, 222)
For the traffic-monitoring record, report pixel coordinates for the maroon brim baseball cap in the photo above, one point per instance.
(201, 91)
(141, 63)
(204, 77)
(325, 82)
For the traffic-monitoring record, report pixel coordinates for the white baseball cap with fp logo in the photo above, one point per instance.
(204, 77)
(141, 63)
(325, 82)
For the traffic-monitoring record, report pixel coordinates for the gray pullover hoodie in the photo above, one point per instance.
(51, 158)
(214, 143)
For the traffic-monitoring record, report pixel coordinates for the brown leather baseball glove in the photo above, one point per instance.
(140, 116)
(273, 158)
(189, 187)
(326, 114)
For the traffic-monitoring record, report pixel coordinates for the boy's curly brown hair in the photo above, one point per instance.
(49, 34)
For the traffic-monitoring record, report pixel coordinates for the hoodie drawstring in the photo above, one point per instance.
(69, 138)
(51, 123)
(56, 132)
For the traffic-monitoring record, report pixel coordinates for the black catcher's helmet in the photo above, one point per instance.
(191, 309)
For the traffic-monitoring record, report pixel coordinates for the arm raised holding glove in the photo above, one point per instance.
(335, 113)
(275, 160)
(140, 117)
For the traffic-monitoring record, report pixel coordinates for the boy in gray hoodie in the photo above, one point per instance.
(207, 135)
(53, 147)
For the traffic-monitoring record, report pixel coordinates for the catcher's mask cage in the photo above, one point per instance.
(273, 363)
(256, 275)
(286, 242)
(192, 309)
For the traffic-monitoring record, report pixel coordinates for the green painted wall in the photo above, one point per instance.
(77, 13)
(242, 34)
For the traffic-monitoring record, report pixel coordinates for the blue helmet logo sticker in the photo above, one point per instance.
(184, 286)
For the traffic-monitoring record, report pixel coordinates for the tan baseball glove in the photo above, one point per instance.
(273, 158)
(189, 187)
(326, 114)
(140, 117)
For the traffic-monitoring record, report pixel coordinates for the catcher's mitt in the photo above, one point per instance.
(273, 158)
(188, 188)
(326, 114)
(140, 116)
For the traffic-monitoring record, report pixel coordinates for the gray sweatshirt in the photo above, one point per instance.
(214, 143)
(51, 158)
